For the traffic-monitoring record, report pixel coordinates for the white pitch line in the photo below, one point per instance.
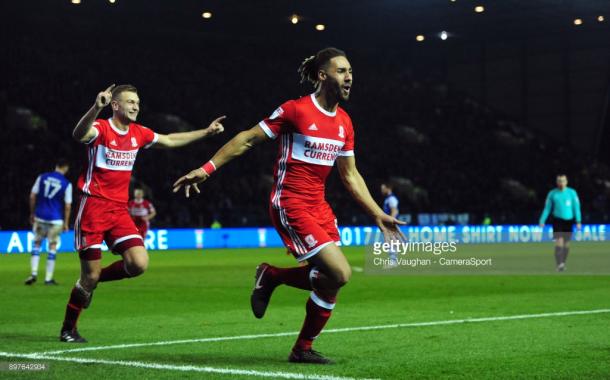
(330, 331)
(171, 342)
(183, 368)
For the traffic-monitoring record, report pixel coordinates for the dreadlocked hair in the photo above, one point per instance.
(311, 65)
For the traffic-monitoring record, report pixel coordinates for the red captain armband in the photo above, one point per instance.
(209, 167)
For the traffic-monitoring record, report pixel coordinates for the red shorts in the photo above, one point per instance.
(101, 220)
(305, 230)
(142, 228)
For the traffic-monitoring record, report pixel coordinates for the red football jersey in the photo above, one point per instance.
(311, 138)
(139, 209)
(110, 158)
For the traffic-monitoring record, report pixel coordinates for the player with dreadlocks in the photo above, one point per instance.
(314, 132)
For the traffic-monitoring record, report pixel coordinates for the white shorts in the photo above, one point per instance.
(47, 230)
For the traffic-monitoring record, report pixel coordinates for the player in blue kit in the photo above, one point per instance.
(390, 202)
(50, 204)
(565, 206)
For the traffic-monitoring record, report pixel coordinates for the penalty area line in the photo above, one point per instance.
(183, 368)
(331, 331)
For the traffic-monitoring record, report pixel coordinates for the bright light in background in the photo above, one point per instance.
(577, 21)
(112, 1)
(420, 38)
(320, 27)
(206, 15)
(479, 9)
(443, 35)
(601, 18)
(75, 1)
(294, 19)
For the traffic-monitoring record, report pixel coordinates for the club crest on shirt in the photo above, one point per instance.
(134, 142)
(341, 131)
(310, 240)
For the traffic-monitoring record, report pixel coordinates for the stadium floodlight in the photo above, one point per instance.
(294, 19)
(75, 1)
(601, 18)
(479, 9)
(420, 38)
(206, 15)
(444, 35)
(112, 1)
(577, 21)
(320, 27)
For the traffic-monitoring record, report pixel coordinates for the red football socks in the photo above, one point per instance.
(319, 309)
(113, 272)
(75, 305)
(297, 277)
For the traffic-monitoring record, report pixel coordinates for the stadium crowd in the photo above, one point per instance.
(442, 150)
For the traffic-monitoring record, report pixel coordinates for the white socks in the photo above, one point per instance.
(50, 266)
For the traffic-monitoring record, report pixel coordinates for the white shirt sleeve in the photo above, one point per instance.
(36, 187)
(153, 142)
(393, 202)
(68, 194)
(97, 133)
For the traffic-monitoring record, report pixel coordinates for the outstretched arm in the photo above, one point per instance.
(237, 146)
(83, 131)
(175, 140)
(354, 183)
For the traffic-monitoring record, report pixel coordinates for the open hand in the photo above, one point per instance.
(191, 180)
(390, 227)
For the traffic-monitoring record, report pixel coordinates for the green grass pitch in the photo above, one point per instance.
(199, 294)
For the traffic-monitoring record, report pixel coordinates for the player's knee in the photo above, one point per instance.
(342, 276)
(137, 265)
(89, 280)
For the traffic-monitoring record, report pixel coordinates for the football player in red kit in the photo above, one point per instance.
(112, 146)
(313, 133)
(142, 211)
